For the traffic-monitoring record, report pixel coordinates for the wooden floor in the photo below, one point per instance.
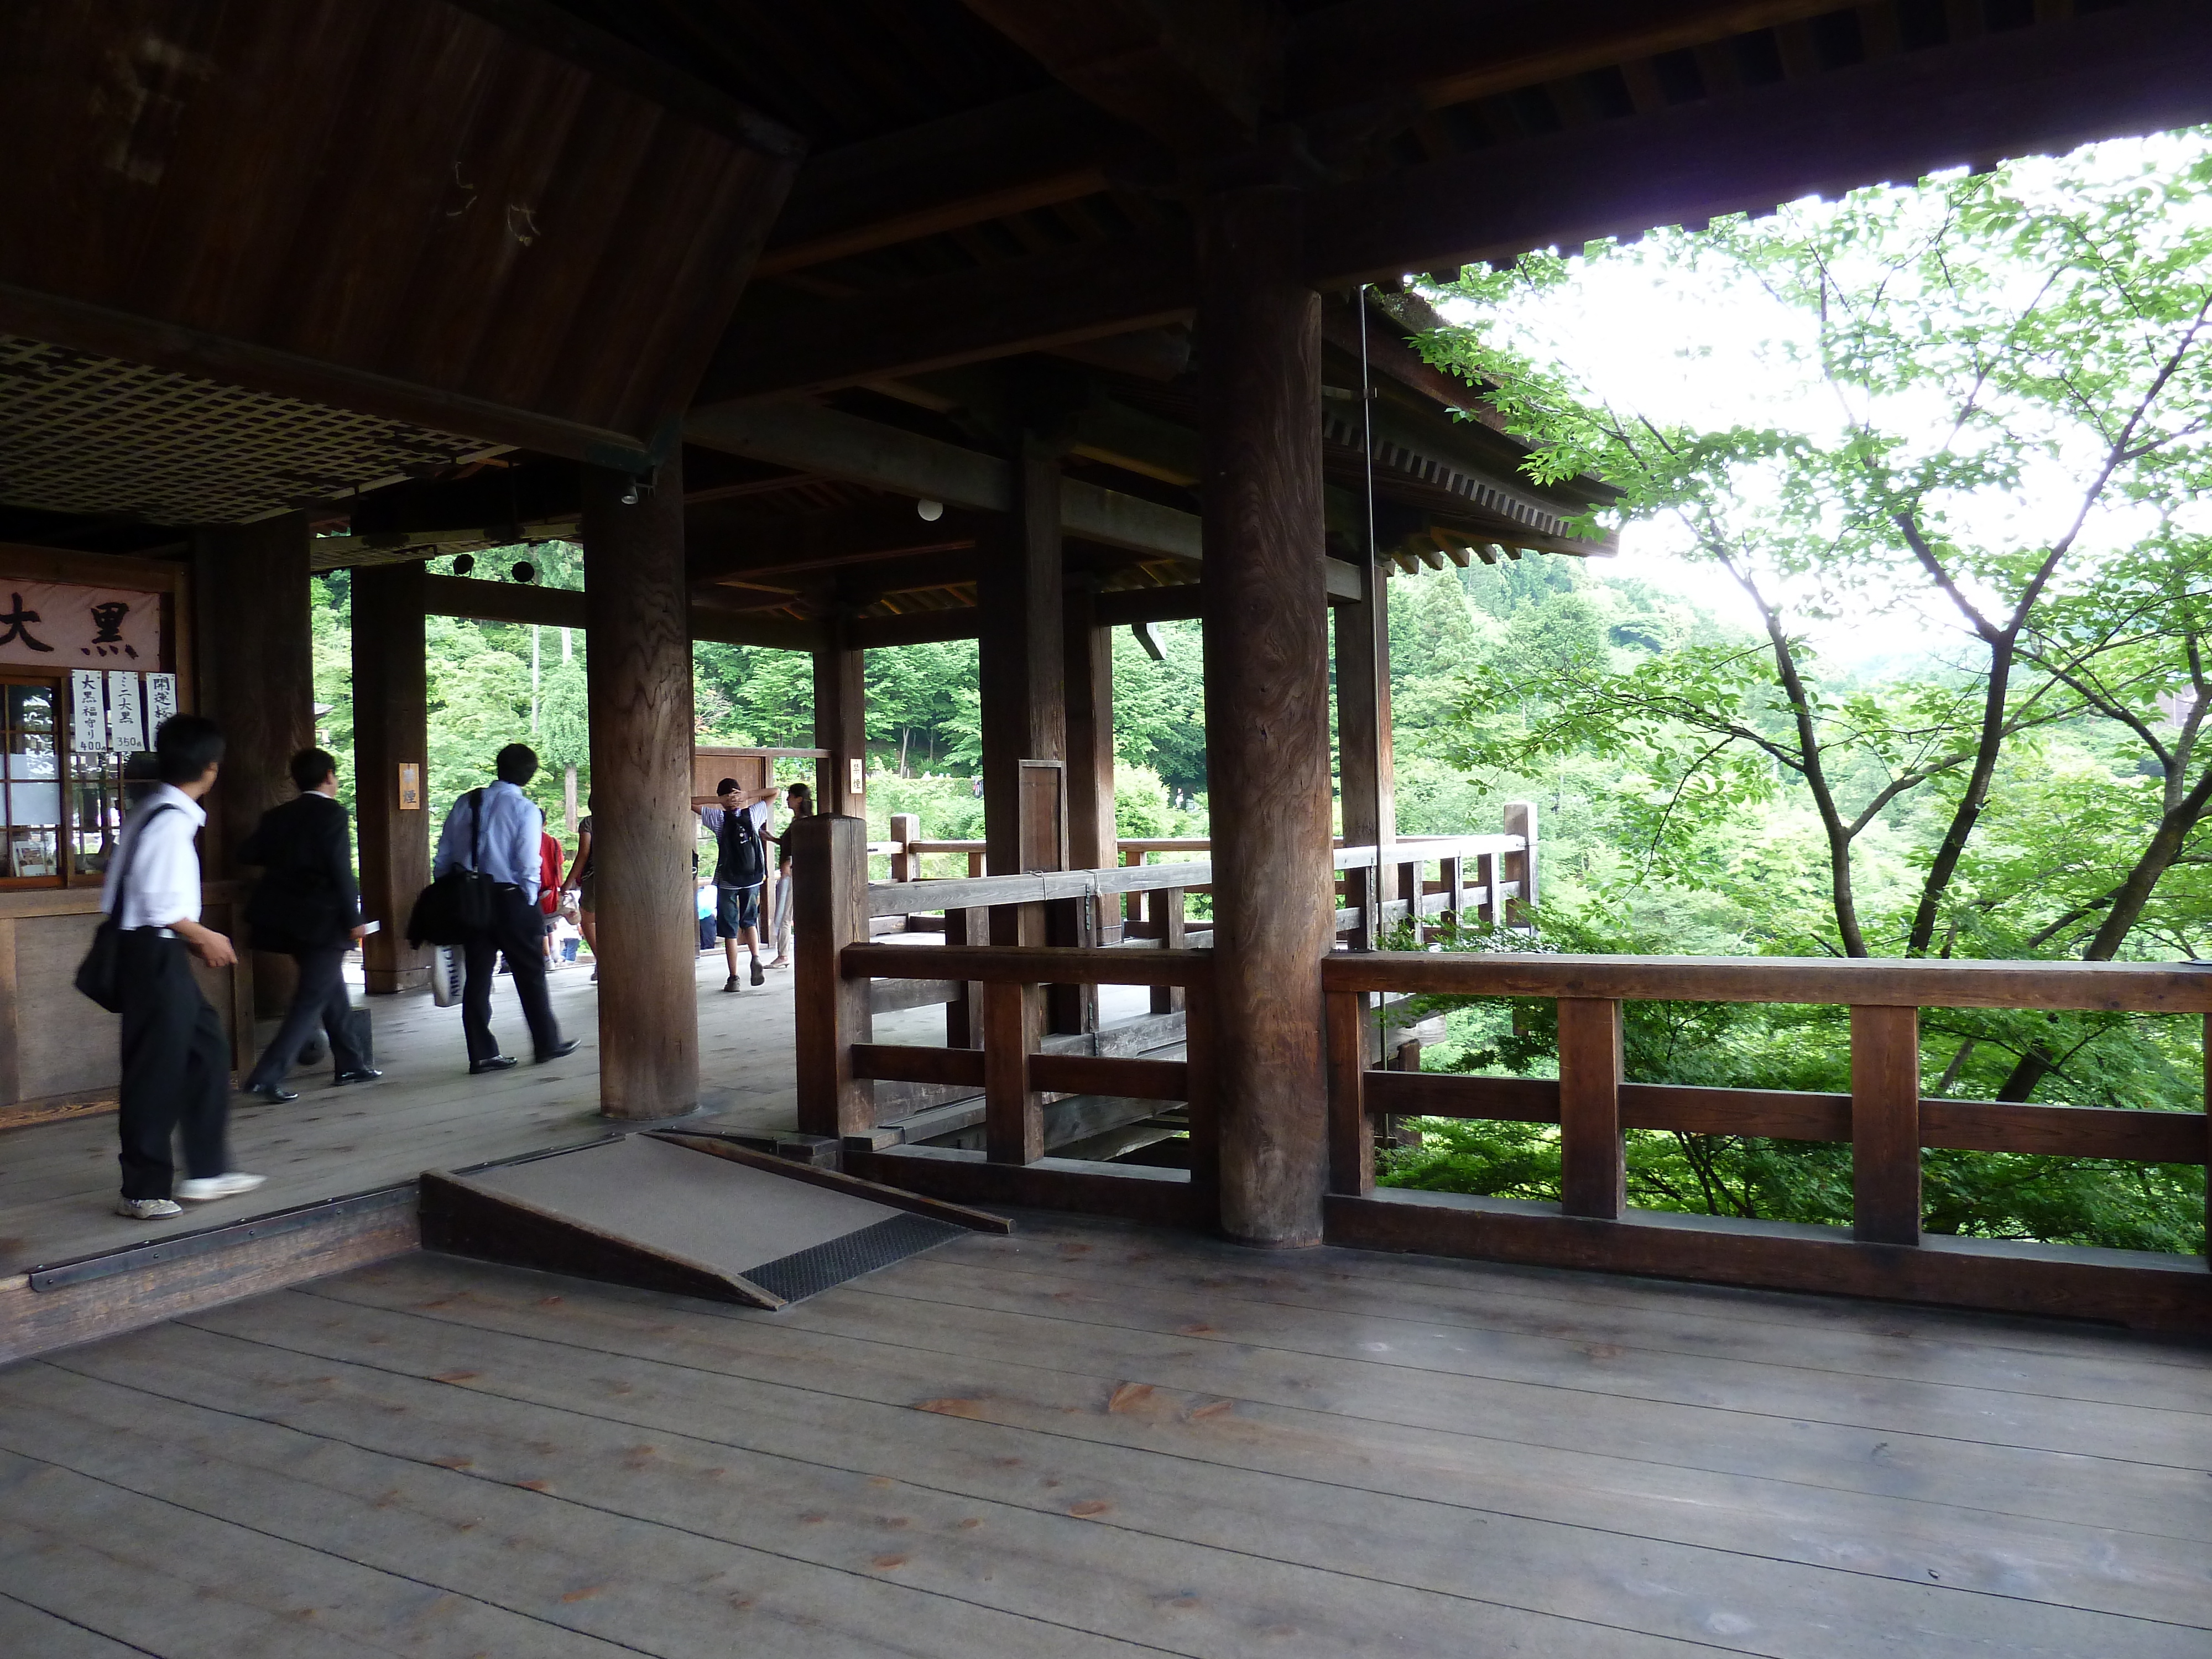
(59, 1182)
(1088, 1440)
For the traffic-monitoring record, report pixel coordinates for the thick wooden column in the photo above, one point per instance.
(256, 679)
(1366, 774)
(639, 680)
(1087, 654)
(1267, 711)
(830, 1013)
(391, 732)
(1020, 666)
(841, 725)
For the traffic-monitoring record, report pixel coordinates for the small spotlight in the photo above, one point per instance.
(629, 493)
(930, 512)
(525, 572)
(463, 564)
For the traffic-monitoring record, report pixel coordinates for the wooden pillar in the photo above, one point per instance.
(257, 679)
(1020, 662)
(1267, 711)
(639, 687)
(1087, 657)
(841, 725)
(1366, 772)
(1521, 868)
(830, 1013)
(391, 732)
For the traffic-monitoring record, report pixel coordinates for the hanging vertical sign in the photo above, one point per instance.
(161, 700)
(126, 715)
(88, 711)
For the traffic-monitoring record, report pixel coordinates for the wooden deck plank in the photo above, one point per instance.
(1562, 1288)
(1053, 1563)
(31, 1630)
(1868, 1341)
(1623, 1496)
(1212, 1471)
(1768, 1387)
(168, 1578)
(593, 1583)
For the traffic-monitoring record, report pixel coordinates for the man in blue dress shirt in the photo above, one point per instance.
(493, 831)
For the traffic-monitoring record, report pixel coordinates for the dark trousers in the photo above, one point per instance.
(176, 1069)
(321, 997)
(517, 934)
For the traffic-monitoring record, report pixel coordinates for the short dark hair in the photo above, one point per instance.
(310, 766)
(727, 786)
(517, 764)
(185, 746)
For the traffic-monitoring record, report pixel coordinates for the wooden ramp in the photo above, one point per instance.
(695, 1214)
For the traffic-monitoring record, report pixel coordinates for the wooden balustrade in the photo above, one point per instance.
(1884, 1119)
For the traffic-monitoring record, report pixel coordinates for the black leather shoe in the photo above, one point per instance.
(357, 1074)
(559, 1049)
(274, 1094)
(496, 1063)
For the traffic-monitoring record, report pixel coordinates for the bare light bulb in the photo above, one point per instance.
(930, 512)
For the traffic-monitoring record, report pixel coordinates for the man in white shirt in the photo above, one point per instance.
(176, 1061)
(738, 819)
(495, 831)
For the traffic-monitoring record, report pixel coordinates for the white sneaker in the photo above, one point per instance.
(147, 1209)
(221, 1186)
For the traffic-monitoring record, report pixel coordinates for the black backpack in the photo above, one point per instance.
(743, 861)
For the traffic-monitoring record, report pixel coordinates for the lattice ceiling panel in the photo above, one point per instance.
(84, 434)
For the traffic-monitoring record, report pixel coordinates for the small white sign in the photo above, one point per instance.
(161, 700)
(126, 717)
(88, 711)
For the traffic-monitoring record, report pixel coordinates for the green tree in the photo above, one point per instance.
(2018, 366)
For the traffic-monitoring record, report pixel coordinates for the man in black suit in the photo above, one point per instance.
(307, 906)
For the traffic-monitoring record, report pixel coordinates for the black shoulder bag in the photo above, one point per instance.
(99, 975)
(458, 904)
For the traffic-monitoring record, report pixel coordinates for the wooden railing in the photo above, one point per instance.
(1884, 1119)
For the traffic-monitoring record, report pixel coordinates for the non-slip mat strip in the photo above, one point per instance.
(815, 1269)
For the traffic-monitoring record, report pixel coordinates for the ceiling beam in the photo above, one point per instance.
(1047, 299)
(1029, 152)
(560, 607)
(839, 446)
(1194, 73)
(2144, 68)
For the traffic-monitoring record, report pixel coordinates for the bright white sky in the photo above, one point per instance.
(1678, 350)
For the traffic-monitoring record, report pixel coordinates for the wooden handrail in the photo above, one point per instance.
(1026, 964)
(2119, 986)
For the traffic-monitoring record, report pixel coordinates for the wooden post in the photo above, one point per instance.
(391, 732)
(1885, 1125)
(1366, 769)
(1019, 666)
(841, 726)
(1087, 651)
(963, 1015)
(1592, 1175)
(906, 830)
(1267, 711)
(1165, 907)
(1013, 1113)
(830, 1013)
(2207, 1064)
(639, 689)
(1521, 867)
(1351, 1132)
(257, 679)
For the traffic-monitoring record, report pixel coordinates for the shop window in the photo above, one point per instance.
(34, 825)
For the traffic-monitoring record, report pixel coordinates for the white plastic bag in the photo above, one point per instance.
(445, 974)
